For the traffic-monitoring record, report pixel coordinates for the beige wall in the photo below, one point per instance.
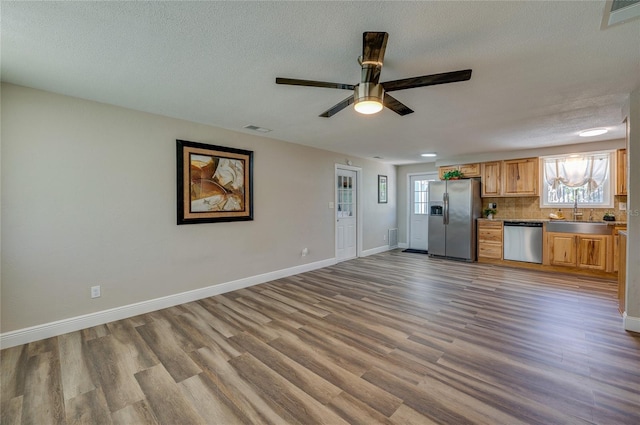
(89, 198)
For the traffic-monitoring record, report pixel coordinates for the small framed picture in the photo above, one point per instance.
(382, 189)
(214, 183)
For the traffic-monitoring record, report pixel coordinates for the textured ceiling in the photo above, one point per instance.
(542, 71)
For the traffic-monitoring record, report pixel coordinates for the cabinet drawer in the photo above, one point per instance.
(492, 224)
(490, 235)
(490, 250)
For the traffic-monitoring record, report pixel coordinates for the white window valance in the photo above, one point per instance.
(577, 170)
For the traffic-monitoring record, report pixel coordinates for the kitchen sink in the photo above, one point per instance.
(593, 228)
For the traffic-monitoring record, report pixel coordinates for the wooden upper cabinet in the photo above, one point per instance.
(520, 177)
(442, 170)
(491, 179)
(621, 172)
(470, 170)
(467, 170)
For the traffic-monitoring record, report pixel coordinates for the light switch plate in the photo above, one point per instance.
(622, 206)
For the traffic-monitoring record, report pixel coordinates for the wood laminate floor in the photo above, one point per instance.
(394, 338)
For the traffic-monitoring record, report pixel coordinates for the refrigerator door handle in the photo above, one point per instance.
(445, 213)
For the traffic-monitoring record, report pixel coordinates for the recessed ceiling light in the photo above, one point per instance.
(593, 132)
(428, 155)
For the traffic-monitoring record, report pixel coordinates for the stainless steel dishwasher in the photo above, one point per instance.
(523, 241)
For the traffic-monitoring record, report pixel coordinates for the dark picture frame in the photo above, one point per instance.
(382, 189)
(215, 183)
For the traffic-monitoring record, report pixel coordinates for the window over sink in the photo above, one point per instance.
(585, 177)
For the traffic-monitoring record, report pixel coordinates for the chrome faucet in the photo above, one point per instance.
(576, 215)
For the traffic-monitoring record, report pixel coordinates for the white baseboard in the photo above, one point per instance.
(631, 323)
(403, 245)
(72, 324)
(377, 250)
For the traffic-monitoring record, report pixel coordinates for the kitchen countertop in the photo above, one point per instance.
(545, 220)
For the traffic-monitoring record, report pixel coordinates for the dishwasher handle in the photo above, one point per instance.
(522, 224)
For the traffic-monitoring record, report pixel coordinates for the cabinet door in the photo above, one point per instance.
(592, 252)
(470, 170)
(442, 170)
(621, 172)
(562, 249)
(520, 177)
(491, 179)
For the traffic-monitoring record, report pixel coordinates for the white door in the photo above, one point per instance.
(418, 216)
(346, 214)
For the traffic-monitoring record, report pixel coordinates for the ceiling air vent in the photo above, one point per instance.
(256, 128)
(619, 12)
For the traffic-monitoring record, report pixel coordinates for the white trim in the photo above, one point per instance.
(377, 250)
(72, 324)
(631, 323)
(403, 245)
(611, 181)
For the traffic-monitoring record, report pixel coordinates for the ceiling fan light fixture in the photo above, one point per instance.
(368, 98)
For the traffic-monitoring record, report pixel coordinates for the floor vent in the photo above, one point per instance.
(393, 238)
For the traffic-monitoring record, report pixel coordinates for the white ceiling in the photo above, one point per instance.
(542, 71)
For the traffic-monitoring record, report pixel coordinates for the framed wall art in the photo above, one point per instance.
(382, 189)
(215, 183)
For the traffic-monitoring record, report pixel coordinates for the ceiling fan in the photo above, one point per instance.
(370, 95)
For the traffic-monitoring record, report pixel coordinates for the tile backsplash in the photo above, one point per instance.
(529, 207)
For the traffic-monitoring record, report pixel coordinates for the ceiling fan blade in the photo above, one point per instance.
(310, 83)
(338, 107)
(427, 80)
(396, 106)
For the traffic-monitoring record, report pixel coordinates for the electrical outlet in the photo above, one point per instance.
(305, 252)
(95, 291)
(384, 237)
(622, 206)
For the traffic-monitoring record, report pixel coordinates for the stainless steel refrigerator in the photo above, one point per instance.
(454, 206)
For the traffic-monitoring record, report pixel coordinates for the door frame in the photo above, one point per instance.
(410, 199)
(359, 208)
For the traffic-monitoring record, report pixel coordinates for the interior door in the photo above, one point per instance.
(418, 216)
(346, 214)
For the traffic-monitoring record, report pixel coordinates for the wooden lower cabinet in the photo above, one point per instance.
(578, 250)
(622, 273)
(490, 239)
(616, 246)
